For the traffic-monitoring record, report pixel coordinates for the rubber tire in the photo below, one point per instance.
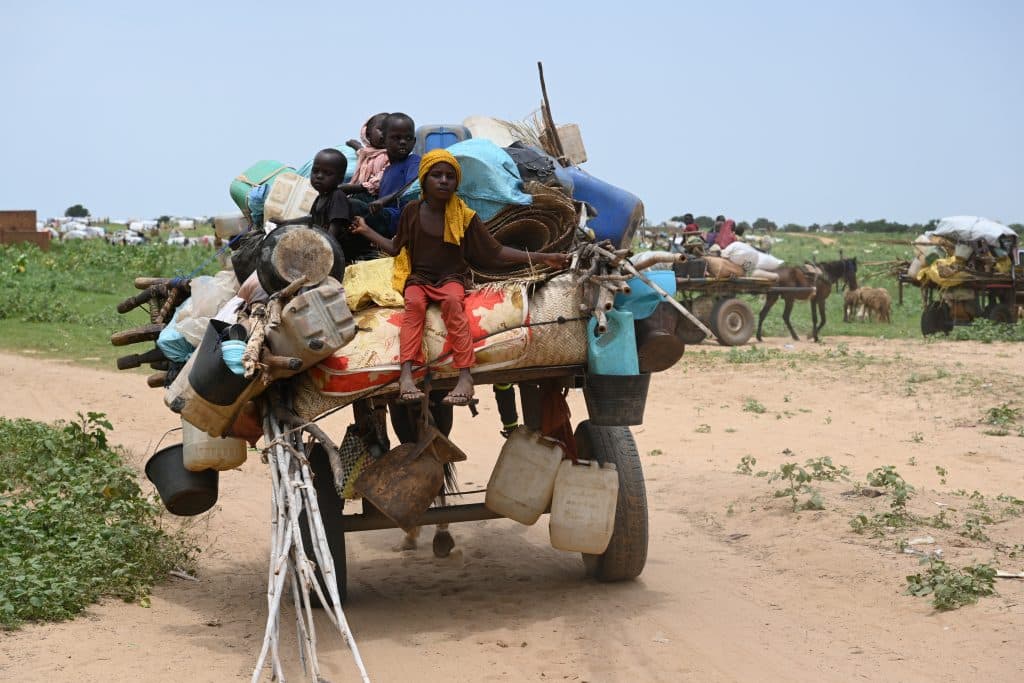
(999, 313)
(626, 554)
(936, 318)
(732, 321)
(331, 506)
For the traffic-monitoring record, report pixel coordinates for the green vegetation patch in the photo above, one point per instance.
(74, 525)
(986, 331)
(950, 587)
(63, 301)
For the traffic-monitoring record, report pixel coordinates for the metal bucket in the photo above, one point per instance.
(293, 251)
(404, 481)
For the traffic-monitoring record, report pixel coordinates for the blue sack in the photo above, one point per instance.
(490, 178)
(255, 200)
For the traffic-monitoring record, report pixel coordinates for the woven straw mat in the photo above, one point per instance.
(546, 226)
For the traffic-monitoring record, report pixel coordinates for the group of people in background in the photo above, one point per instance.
(723, 233)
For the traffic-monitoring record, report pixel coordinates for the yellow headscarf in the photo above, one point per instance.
(457, 215)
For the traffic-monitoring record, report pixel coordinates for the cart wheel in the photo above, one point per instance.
(999, 313)
(936, 318)
(331, 505)
(732, 321)
(626, 554)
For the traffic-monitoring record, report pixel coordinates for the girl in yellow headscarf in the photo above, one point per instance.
(437, 238)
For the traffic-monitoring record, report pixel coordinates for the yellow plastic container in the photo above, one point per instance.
(204, 452)
(523, 479)
(583, 507)
(291, 196)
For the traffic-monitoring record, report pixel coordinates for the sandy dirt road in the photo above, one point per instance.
(737, 586)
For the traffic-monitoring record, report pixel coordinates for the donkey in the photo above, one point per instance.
(820, 277)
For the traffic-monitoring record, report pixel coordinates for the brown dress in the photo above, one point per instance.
(434, 261)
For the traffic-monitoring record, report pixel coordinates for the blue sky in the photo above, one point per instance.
(797, 111)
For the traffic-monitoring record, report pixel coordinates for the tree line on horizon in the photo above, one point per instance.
(877, 226)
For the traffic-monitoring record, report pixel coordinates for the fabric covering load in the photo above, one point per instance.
(497, 316)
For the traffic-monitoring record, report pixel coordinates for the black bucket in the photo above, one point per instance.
(616, 400)
(183, 492)
(303, 251)
(210, 376)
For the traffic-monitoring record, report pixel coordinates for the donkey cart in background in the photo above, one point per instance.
(715, 302)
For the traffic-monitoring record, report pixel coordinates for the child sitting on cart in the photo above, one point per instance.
(436, 240)
(399, 139)
(332, 211)
(372, 160)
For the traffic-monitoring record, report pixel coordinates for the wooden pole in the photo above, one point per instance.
(549, 121)
(292, 492)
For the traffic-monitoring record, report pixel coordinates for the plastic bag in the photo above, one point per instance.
(172, 343)
(768, 262)
(751, 259)
(742, 255)
(209, 294)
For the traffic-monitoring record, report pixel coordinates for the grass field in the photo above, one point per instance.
(61, 303)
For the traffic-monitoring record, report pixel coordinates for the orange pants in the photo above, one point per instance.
(451, 296)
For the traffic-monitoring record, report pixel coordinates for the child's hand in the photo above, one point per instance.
(360, 227)
(556, 261)
(375, 206)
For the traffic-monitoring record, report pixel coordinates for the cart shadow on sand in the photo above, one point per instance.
(494, 566)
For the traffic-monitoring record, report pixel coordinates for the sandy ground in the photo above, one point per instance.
(737, 586)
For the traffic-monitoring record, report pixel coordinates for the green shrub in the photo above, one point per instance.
(75, 525)
(949, 587)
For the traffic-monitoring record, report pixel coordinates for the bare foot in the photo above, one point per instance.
(408, 392)
(462, 394)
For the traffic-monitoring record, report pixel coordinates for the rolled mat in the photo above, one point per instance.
(547, 226)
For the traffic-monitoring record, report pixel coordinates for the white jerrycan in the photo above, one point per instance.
(583, 507)
(523, 479)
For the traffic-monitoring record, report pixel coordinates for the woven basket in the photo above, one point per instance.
(527, 234)
(564, 344)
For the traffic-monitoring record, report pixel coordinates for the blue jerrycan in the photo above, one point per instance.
(614, 352)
